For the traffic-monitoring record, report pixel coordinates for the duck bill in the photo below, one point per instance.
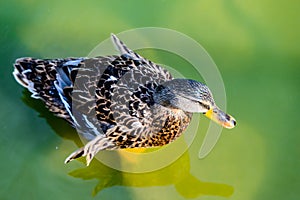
(221, 118)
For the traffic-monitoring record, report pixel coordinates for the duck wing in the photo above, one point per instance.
(89, 92)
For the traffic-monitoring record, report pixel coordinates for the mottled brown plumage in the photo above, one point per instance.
(116, 102)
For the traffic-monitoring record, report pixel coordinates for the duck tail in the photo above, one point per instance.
(24, 73)
(48, 80)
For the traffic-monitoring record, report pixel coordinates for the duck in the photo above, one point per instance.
(117, 101)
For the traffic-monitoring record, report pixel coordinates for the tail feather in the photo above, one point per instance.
(22, 72)
(47, 80)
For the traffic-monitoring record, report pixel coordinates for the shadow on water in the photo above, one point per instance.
(60, 126)
(177, 174)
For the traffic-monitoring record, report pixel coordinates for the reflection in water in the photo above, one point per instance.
(177, 173)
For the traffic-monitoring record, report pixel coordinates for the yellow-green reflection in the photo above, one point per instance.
(177, 174)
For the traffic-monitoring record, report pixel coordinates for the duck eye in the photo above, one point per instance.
(204, 105)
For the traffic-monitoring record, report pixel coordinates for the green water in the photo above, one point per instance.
(255, 45)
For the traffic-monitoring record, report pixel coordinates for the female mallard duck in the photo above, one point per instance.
(117, 102)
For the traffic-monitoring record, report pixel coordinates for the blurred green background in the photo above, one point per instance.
(255, 45)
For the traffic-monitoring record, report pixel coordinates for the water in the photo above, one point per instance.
(255, 48)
